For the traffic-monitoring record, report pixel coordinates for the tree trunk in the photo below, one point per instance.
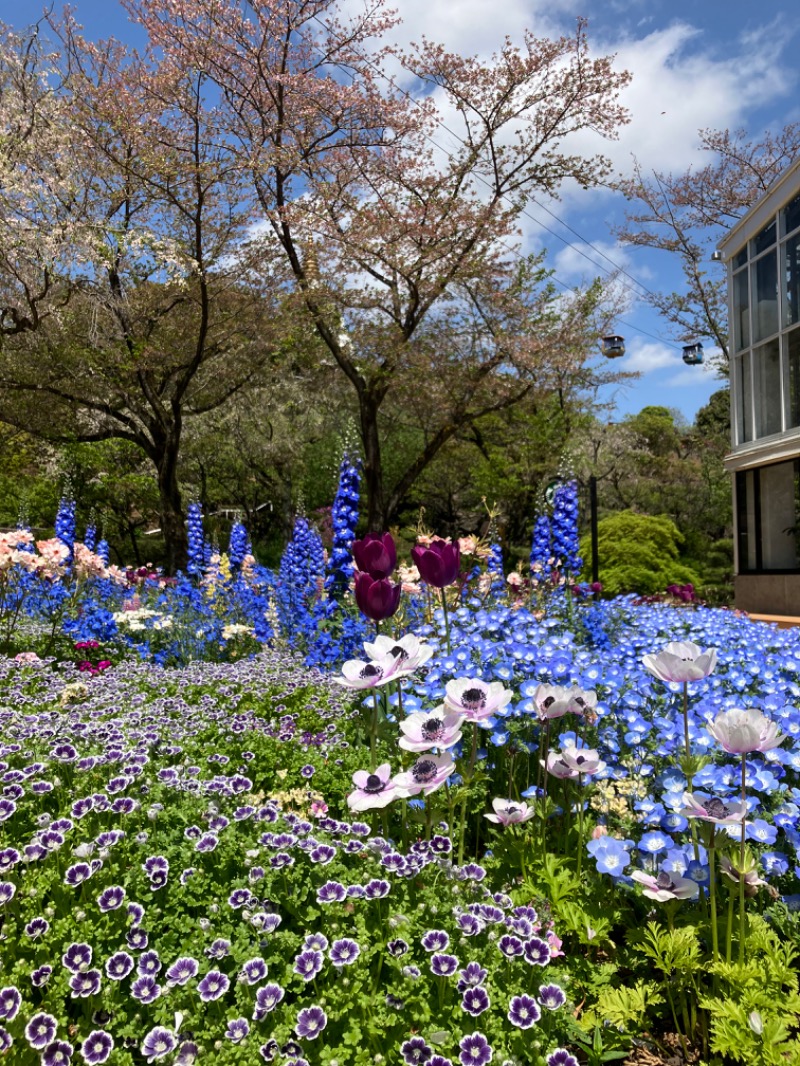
(373, 465)
(173, 524)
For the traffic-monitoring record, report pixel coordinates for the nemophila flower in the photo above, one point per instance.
(137, 939)
(665, 886)
(435, 940)
(573, 762)
(7, 891)
(111, 898)
(41, 976)
(510, 946)
(315, 942)
(471, 976)
(344, 952)
(214, 985)
(415, 1051)
(775, 864)
(267, 999)
(397, 948)
(681, 661)
(469, 924)
(438, 563)
(149, 963)
(739, 732)
(510, 812)
(59, 1053)
(77, 957)
(427, 775)
(308, 964)
(310, 1022)
(654, 843)
(711, 809)
(85, 984)
(536, 951)
(119, 965)
(523, 1012)
(219, 949)
(424, 730)
(331, 892)
(182, 971)
(476, 699)
(552, 997)
(158, 1043)
(77, 874)
(375, 554)
(253, 971)
(41, 1030)
(96, 1048)
(240, 897)
(475, 1001)
(237, 1030)
(322, 854)
(377, 599)
(442, 965)
(373, 790)
(6, 1039)
(475, 1050)
(146, 989)
(560, 1057)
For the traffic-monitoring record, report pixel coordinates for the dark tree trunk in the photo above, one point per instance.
(173, 524)
(373, 465)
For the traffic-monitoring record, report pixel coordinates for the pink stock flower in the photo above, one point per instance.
(424, 730)
(359, 675)
(510, 812)
(573, 762)
(665, 887)
(739, 732)
(475, 699)
(681, 661)
(373, 790)
(426, 775)
(711, 809)
(555, 943)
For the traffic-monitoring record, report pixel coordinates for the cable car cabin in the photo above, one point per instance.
(693, 354)
(613, 347)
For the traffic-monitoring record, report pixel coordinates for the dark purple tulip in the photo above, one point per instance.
(376, 599)
(438, 564)
(375, 554)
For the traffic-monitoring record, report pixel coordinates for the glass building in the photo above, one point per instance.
(762, 253)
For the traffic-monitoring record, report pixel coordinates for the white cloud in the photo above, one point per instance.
(645, 357)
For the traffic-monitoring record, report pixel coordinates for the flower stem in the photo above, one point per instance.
(373, 733)
(446, 621)
(741, 863)
(712, 891)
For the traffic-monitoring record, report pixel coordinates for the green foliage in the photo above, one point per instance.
(639, 553)
(627, 1008)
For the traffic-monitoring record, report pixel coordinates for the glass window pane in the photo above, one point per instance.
(745, 520)
(791, 215)
(764, 239)
(779, 519)
(793, 351)
(740, 258)
(765, 296)
(791, 280)
(741, 311)
(767, 388)
(744, 393)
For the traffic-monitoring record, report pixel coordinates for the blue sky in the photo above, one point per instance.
(708, 64)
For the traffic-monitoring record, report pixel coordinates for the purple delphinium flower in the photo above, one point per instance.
(443, 965)
(41, 1030)
(308, 964)
(475, 1050)
(119, 965)
(415, 1051)
(344, 952)
(475, 1001)
(267, 999)
(97, 1047)
(253, 971)
(84, 984)
(145, 989)
(310, 1022)
(58, 1053)
(435, 940)
(552, 996)
(182, 971)
(213, 985)
(158, 1043)
(523, 1011)
(560, 1057)
(237, 1030)
(537, 951)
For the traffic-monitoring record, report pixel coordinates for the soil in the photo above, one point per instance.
(648, 1054)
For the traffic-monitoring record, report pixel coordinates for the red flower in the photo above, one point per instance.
(377, 599)
(375, 554)
(438, 564)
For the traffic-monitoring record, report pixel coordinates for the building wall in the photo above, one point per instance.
(774, 594)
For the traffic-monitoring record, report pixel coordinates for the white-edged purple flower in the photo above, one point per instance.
(476, 699)
(471, 976)
(427, 775)
(77, 957)
(308, 964)
(59, 1053)
(397, 948)
(37, 927)
(145, 988)
(424, 730)
(537, 951)
(475, 1050)
(96, 1048)
(119, 965)
(137, 939)
(240, 897)
(214, 985)
(84, 984)
(561, 1057)
(149, 964)
(77, 874)
(219, 949)
(511, 946)
(475, 1001)
(344, 952)
(415, 1050)
(41, 976)
(322, 854)
(377, 888)
(510, 812)
(315, 942)
(238, 1029)
(158, 1043)
(310, 1022)
(523, 1012)
(435, 940)
(443, 965)
(41, 1030)
(7, 891)
(331, 892)
(111, 898)
(552, 996)
(253, 971)
(267, 999)
(182, 971)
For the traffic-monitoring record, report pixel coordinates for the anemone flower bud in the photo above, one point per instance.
(375, 555)
(438, 564)
(377, 599)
